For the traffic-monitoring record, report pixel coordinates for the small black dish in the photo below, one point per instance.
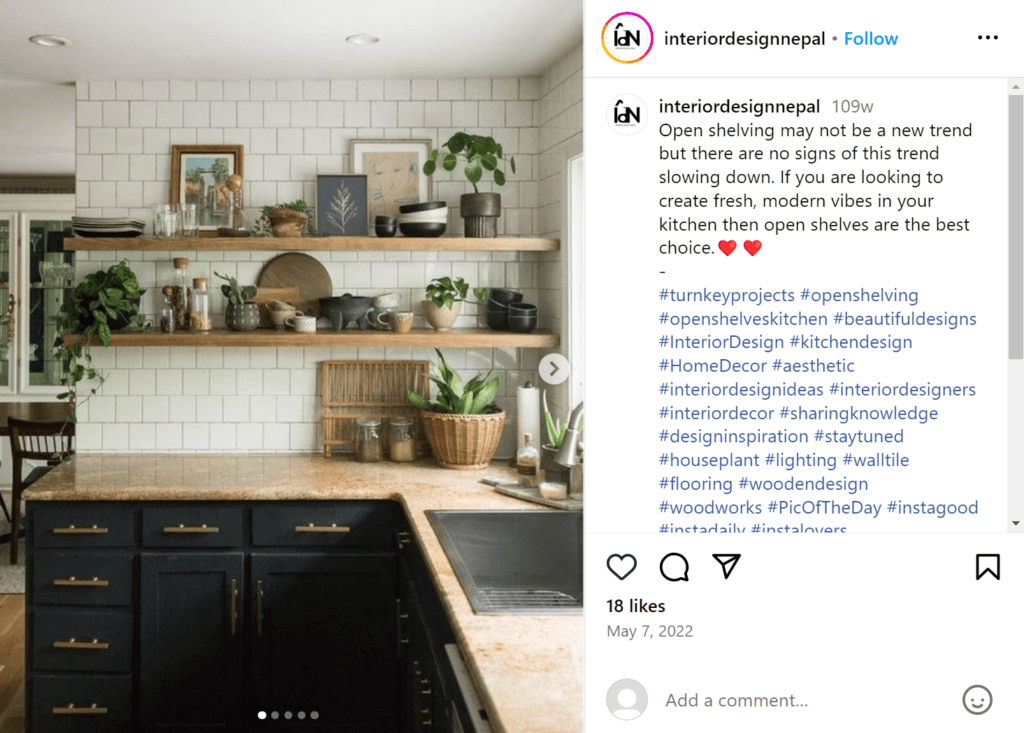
(422, 229)
(386, 230)
(382, 219)
(497, 320)
(522, 317)
(426, 206)
(504, 296)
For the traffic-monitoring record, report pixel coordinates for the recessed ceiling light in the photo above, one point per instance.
(362, 39)
(50, 41)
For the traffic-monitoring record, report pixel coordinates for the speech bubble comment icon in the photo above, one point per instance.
(675, 567)
(621, 565)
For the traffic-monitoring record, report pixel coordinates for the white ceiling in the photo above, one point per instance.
(284, 39)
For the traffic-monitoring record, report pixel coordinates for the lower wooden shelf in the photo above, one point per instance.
(424, 337)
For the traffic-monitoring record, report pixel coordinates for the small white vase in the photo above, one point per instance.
(441, 318)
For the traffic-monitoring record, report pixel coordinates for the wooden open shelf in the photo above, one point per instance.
(310, 244)
(423, 337)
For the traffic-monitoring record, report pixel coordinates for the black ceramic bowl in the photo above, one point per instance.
(347, 309)
(426, 206)
(522, 317)
(385, 220)
(386, 230)
(424, 229)
(497, 319)
(504, 296)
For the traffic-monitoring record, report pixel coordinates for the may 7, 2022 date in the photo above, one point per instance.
(646, 631)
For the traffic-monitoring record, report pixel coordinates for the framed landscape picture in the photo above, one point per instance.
(341, 206)
(394, 173)
(198, 176)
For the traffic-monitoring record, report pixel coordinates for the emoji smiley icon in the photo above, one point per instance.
(977, 700)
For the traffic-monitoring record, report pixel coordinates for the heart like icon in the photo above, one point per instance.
(752, 247)
(727, 247)
(621, 565)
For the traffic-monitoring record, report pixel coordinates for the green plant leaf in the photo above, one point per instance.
(464, 406)
(512, 164)
(418, 400)
(473, 173)
(499, 177)
(457, 142)
(449, 300)
(489, 162)
(429, 167)
(450, 161)
(485, 396)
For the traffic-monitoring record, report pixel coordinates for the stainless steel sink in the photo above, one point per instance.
(515, 562)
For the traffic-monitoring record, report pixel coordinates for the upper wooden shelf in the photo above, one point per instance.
(308, 244)
(423, 337)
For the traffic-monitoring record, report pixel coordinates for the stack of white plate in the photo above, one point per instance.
(96, 226)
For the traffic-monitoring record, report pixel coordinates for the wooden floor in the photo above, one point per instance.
(12, 664)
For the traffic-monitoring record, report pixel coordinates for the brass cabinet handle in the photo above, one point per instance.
(182, 529)
(314, 528)
(73, 582)
(72, 529)
(234, 606)
(72, 709)
(71, 643)
(259, 608)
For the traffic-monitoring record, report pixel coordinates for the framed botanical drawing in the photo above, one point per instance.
(199, 176)
(394, 173)
(341, 206)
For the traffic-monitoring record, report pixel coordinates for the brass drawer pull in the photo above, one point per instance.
(73, 582)
(233, 614)
(71, 709)
(72, 529)
(182, 529)
(95, 644)
(314, 528)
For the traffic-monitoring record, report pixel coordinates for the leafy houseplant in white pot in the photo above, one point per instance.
(239, 315)
(480, 211)
(444, 301)
(463, 426)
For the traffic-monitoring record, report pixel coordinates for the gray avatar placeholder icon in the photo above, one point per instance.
(626, 699)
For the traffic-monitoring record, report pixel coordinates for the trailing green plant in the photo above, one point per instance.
(233, 292)
(296, 205)
(473, 397)
(481, 153)
(556, 428)
(443, 292)
(105, 297)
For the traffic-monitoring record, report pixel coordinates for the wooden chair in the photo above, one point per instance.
(40, 441)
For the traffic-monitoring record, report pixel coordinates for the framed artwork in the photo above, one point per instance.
(394, 173)
(341, 206)
(198, 176)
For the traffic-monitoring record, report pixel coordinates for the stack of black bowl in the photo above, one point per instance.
(507, 312)
(423, 220)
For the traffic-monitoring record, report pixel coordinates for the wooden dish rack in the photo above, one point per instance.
(356, 389)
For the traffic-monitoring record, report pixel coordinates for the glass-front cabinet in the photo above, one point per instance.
(35, 271)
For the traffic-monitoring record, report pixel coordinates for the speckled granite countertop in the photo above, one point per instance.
(528, 669)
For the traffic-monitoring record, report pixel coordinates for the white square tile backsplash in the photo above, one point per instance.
(266, 399)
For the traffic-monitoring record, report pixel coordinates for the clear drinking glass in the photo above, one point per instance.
(167, 220)
(189, 220)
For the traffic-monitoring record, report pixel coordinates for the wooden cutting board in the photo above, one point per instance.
(295, 269)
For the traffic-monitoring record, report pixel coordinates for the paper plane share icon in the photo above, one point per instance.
(728, 563)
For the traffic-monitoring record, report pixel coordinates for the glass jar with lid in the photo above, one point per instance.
(401, 444)
(369, 443)
(200, 318)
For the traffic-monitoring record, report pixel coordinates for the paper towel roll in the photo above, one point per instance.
(528, 416)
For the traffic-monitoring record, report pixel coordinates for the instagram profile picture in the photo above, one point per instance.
(626, 114)
(626, 699)
(627, 37)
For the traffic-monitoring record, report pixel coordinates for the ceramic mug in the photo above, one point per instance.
(279, 318)
(400, 322)
(302, 324)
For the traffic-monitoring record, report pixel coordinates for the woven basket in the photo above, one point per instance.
(463, 442)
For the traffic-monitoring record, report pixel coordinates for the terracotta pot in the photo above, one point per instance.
(285, 222)
(441, 318)
(244, 317)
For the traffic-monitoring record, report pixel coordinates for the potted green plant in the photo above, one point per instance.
(444, 301)
(556, 434)
(480, 211)
(239, 315)
(463, 425)
(287, 220)
(103, 302)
